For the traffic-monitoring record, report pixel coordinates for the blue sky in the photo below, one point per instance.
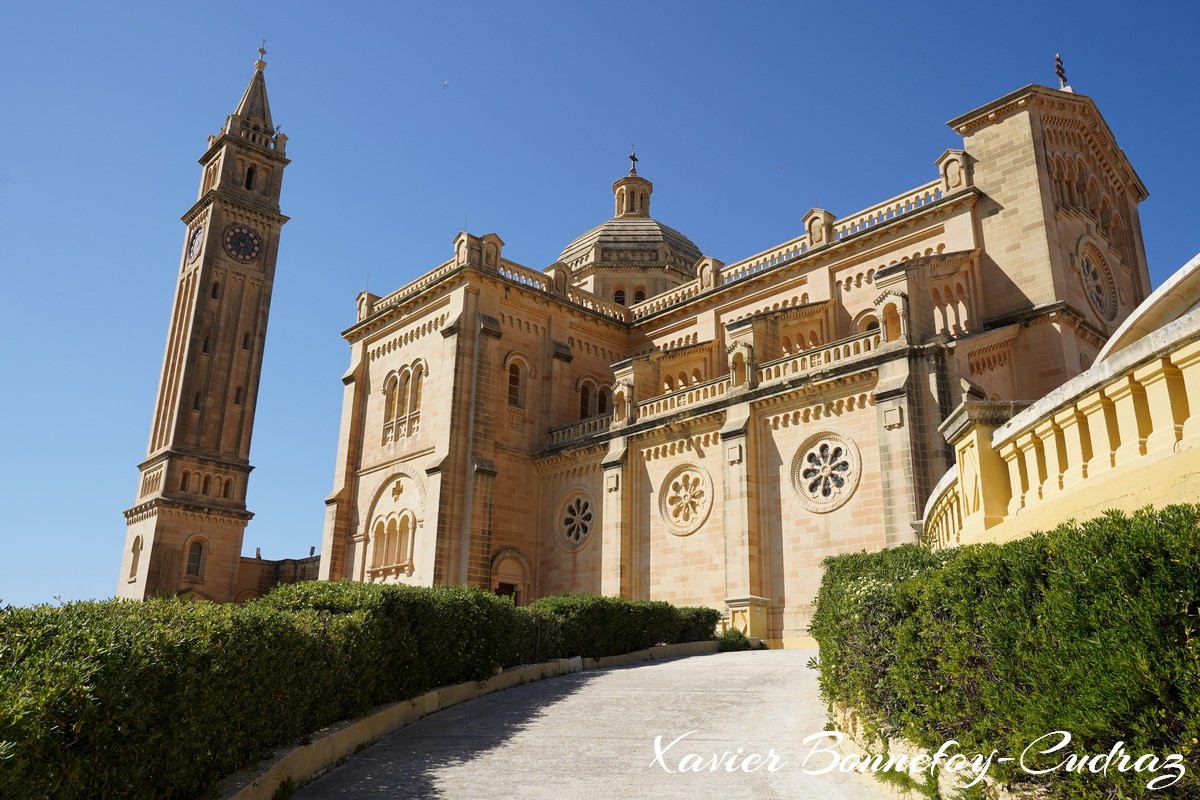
(408, 121)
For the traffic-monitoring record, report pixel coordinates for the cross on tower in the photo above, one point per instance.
(633, 159)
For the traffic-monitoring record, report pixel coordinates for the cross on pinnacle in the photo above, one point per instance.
(633, 159)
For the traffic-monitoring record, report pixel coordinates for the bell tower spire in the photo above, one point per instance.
(184, 533)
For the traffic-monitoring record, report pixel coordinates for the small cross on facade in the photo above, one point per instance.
(397, 490)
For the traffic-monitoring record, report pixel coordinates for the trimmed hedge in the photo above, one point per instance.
(161, 699)
(1092, 629)
(594, 626)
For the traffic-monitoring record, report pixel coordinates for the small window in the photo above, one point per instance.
(228, 490)
(135, 557)
(619, 296)
(389, 401)
(195, 554)
(237, 396)
(585, 400)
(415, 405)
(250, 178)
(873, 325)
(183, 481)
(514, 386)
(402, 397)
(204, 346)
(245, 341)
(216, 290)
(206, 487)
(602, 402)
(196, 402)
(639, 296)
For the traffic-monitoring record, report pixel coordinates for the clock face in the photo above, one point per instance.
(194, 242)
(242, 242)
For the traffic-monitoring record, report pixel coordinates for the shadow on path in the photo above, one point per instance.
(405, 764)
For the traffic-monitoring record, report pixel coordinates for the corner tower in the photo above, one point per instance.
(184, 533)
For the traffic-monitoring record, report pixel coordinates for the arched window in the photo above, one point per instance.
(206, 486)
(585, 400)
(216, 290)
(195, 559)
(196, 402)
(228, 490)
(639, 295)
(418, 374)
(514, 385)
(250, 178)
(602, 402)
(237, 396)
(245, 341)
(392, 554)
(135, 555)
(183, 481)
(377, 550)
(619, 296)
(406, 534)
(402, 396)
(389, 402)
(204, 346)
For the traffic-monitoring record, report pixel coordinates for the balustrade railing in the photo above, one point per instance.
(1094, 427)
(888, 210)
(578, 430)
(818, 357)
(524, 275)
(764, 260)
(680, 399)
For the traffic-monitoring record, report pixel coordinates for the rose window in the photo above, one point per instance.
(577, 521)
(685, 499)
(1098, 286)
(826, 471)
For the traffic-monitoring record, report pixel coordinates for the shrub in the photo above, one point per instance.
(1092, 629)
(732, 639)
(161, 699)
(697, 623)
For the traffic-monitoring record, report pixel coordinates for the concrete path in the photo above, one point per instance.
(591, 735)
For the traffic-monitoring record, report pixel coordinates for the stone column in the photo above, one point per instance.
(749, 610)
(615, 571)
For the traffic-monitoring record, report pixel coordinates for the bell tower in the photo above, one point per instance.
(184, 533)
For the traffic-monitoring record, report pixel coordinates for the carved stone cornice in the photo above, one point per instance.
(201, 512)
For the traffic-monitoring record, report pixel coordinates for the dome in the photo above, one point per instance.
(631, 240)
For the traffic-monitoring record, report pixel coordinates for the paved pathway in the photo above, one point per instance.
(591, 735)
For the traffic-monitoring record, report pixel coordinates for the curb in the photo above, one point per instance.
(334, 744)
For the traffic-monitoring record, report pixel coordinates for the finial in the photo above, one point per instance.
(1059, 71)
(262, 51)
(633, 159)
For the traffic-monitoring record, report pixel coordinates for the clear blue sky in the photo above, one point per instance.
(745, 115)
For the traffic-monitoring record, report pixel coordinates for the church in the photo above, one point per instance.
(638, 418)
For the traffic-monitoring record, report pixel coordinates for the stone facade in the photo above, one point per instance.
(184, 533)
(639, 419)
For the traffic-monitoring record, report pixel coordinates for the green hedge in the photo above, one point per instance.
(594, 626)
(1091, 629)
(161, 699)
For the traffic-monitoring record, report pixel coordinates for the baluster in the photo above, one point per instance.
(1167, 403)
